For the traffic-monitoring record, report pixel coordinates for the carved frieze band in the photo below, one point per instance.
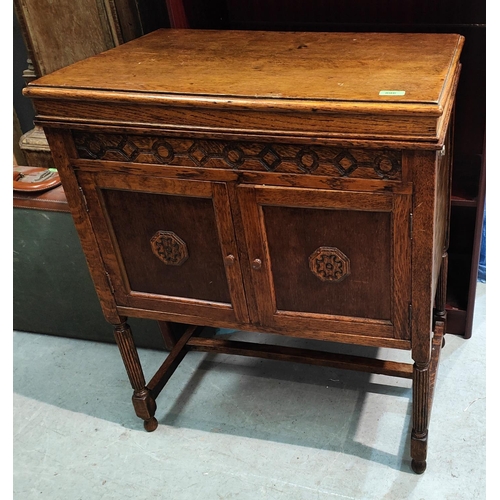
(329, 264)
(241, 155)
(169, 248)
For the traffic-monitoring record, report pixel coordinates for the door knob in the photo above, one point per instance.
(256, 264)
(230, 259)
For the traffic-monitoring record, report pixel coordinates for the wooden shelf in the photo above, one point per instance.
(458, 201)
(456, 321)
(465, 181)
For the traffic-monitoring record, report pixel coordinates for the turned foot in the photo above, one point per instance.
(418, 466)
(151, 424)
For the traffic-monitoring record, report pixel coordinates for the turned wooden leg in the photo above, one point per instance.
(144, 403)
(421, 413)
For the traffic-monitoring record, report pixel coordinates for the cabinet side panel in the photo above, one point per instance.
(423, 170)
(62, 149)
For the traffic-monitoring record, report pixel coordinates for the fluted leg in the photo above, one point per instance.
(144, 403)
(421, 413)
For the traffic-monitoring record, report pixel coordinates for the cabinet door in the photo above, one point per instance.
(329, 261)
(168, 245)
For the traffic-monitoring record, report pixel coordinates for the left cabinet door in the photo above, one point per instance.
(168, 245)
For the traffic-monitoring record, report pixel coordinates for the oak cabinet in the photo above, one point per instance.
(211, 185)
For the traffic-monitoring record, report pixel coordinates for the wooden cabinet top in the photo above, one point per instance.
(347, 74)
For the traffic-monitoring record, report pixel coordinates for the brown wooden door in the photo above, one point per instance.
(329, 261)
(168, 245)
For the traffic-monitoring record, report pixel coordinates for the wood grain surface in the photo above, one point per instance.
(395, 86)
(283, 65)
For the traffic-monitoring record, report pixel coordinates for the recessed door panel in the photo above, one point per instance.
(329, 261)
(168, 244)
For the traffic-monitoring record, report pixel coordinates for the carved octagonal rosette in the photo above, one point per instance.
(329, 264)
(169, 248)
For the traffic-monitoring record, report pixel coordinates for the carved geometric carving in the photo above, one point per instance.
(345, 163)
(331, 161)
(169, 248)
(387, 165)
(307, 160)
(329, 264)
(269, 159)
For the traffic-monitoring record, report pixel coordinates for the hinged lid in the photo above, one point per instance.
(331, 85)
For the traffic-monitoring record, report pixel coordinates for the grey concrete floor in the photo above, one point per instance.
(242, 428)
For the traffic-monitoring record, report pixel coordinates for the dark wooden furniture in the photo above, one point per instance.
(291, 183)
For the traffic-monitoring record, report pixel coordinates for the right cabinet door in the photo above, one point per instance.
(329, 262)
